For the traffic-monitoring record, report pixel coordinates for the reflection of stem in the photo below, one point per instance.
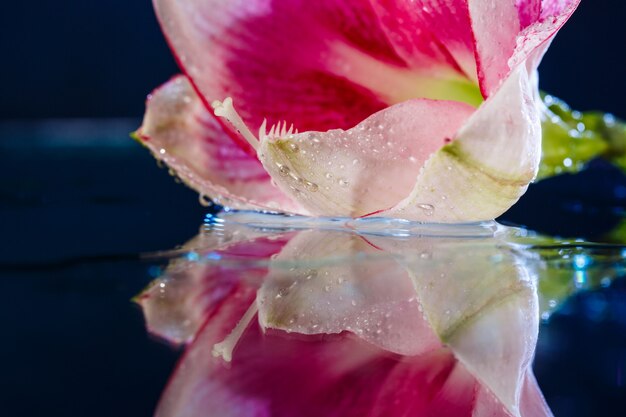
(226, 347)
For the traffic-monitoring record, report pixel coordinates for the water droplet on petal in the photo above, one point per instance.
(428, 209)
(205, 201)
(283, 169)
(311, 186)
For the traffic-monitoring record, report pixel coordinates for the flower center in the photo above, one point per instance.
(397, 84)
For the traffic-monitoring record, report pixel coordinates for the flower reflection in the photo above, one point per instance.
(326, 322)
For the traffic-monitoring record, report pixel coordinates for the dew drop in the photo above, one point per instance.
(311, 186)
(283, 169)
(343, 182)
(294, 147)
(428, 209)
(328, 176)
(162, 151)
(204, 201)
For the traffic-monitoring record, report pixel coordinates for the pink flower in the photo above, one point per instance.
(332, 323)
(425, 110)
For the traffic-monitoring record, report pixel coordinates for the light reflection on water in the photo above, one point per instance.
(471, 295)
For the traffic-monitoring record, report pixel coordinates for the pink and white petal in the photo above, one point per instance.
(488, 167)
(495, 25)
(372, 298)
(279, 375)
(532, 403)
(534, 40)
(280, 60)
(435, 34)
(479, 308)
(510, 32)
(529, 12)
(180, 132)
(365, 169)
(189, 292)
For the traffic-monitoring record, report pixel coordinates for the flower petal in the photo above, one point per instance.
(541, 27)
(495, 25)
(482, 309)
(280, 60)
(188, 293)
(374, 299)
(430, 32)
(489, 165)
(368, 168)
(179, 131)
(510, 33)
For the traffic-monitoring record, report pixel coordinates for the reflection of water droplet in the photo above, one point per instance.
(552, 303)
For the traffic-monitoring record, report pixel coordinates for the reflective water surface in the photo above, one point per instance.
(290, 316)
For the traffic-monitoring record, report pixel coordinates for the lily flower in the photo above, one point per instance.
(348, 322)
(426, 110)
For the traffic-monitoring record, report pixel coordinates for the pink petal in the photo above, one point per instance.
(279, 59)
(368, 168)
(275, 375)
(508, 33)
(188, 293)
(534, 40)
(495, 25)
(532, 403)
(480, 309)
(430, 33)
(179, 131)
(529, 11)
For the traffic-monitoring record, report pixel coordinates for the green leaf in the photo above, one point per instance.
(571, 139)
